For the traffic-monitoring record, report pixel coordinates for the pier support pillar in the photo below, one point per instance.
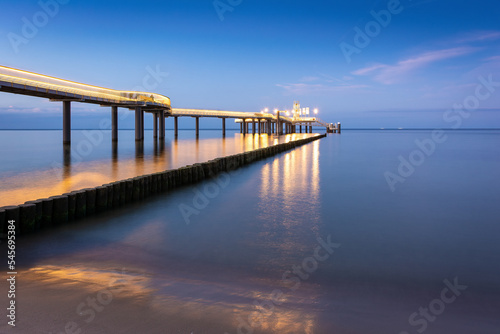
(243, 122)
(300, 128)
(268, 127)
(253, 126)
(66, 122)
(139, 125)
(279, 129)
(310, 129)
(260, 125)
(223, 127)
(176, 126)
(155, 125)
(162, 124)
(114, 123)
(338, 127)
(142, 124)
(241, 127)
(197, 127)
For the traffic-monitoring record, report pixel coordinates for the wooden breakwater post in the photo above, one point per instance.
(45, 213)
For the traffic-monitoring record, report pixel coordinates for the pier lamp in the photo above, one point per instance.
(266, 110)
(316, 111)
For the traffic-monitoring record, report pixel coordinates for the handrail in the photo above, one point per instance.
(25, 78)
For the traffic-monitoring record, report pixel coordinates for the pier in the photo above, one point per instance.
(57, 210)
(59, 90)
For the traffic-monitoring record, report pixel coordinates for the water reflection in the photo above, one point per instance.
(114, 160)
(117, 162)
(289, 206)
(292, 181)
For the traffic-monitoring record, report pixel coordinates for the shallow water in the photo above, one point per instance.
(34, 164)
(240, 254)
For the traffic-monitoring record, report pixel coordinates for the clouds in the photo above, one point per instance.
(479, 36)
(321, 84)
(317, 88)
(391, 74)
(467, 43)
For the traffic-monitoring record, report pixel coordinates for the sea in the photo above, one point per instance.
(368, 231)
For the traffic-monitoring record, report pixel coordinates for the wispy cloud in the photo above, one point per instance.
(390, 74)
(309, 79)
(45, 111)
(479, 36)
(493, 59)
(304, 88)
(319, 84)
(20, 110)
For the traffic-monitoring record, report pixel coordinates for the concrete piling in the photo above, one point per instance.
(38, 212)
(81, 204)
(116, 194)
(129, 190)
(153, 186)
(59, 210)
(137, 188)
(47, 206)
(110, 195)
(27, 217)
(101, 198)
(90, 200)
(71, 205)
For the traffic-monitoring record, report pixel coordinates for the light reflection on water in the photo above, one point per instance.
(209, 276)
(170, 269)
(108, 164)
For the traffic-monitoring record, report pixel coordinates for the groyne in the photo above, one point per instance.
(46, 213)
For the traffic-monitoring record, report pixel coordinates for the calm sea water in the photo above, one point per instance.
(34, 164)
(246, 253)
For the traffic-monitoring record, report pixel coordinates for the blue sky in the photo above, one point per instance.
(406, 70)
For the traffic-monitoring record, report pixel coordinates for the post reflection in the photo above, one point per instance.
(139, 157)
(290, 186)
(66, 175)
(113, 161)
(66, 161)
